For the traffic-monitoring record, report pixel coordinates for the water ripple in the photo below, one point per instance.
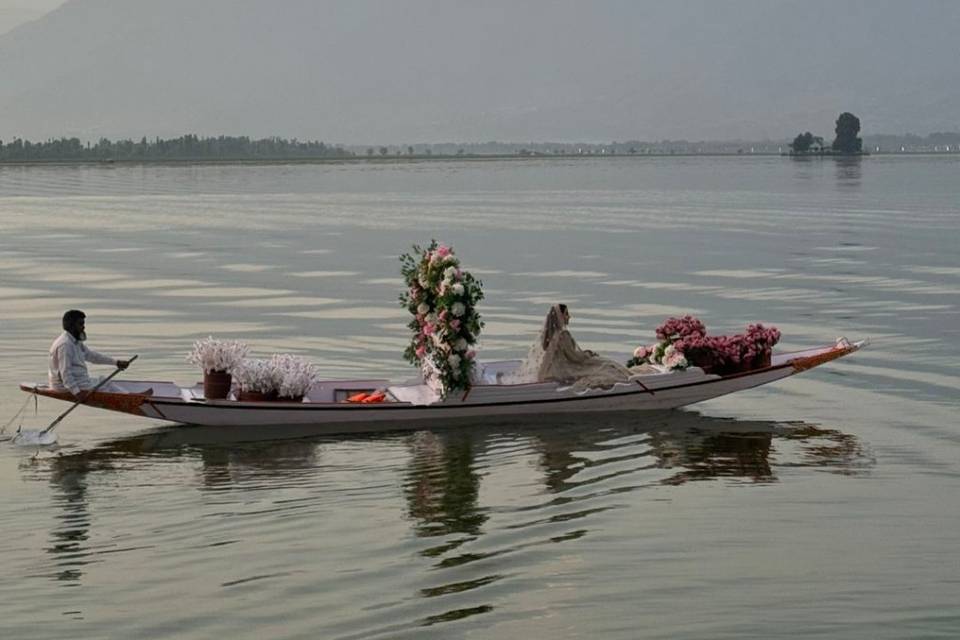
(574, 527)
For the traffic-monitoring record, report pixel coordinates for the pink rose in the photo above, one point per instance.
(428, 329)
(421, 351)
(443, 251)
(455, 324)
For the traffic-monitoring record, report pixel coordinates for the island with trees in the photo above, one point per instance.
(847, 141)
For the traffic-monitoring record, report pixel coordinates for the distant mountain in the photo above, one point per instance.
(374, 72)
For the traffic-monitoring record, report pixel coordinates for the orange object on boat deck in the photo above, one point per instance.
(374, 398)
(358, 397)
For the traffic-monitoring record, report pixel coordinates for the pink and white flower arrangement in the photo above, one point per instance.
(443, 300)
(213, 355)
(684, 342)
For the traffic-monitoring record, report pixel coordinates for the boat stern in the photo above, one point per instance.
(121, 402)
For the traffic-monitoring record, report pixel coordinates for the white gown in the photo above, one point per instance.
(556, 357)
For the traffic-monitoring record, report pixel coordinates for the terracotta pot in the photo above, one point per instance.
(216, 385)
(256, 396)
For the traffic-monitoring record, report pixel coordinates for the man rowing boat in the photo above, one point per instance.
(69, 356)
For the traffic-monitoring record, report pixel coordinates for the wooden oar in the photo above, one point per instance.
(84, 397)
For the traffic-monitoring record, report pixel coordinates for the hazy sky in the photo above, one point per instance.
(16, 12)
(399, 71)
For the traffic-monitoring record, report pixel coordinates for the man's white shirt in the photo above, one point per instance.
(68, 364)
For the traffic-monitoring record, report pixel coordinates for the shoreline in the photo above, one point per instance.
(443, 158)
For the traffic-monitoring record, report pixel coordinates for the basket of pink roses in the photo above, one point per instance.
(683, 342)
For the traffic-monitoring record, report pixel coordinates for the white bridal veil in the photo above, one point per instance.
(555, 357)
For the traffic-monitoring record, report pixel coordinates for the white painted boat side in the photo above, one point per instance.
(394, 415)
(659, 391)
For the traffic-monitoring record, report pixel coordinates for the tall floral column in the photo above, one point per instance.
(442, 298)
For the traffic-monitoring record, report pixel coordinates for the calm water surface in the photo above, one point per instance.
(825, 506)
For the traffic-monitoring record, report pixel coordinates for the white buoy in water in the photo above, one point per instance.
(34, 438)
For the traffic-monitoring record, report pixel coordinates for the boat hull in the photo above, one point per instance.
(484, 403)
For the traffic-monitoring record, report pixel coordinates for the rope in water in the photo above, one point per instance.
(33, 396)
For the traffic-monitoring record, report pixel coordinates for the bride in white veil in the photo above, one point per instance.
(555, 357)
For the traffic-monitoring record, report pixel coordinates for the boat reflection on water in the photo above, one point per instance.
(443, 472)
(222, 466)
(443, 484)
(68, 539)
(754, 455)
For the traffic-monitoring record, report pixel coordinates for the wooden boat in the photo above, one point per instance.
(411, 406)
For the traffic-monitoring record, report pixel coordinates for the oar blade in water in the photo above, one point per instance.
(34, 438)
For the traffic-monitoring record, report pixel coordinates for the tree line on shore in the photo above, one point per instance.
(191, 147)
(187, 147)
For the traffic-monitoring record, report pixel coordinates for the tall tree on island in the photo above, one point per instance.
(802, 143)
(847, 141)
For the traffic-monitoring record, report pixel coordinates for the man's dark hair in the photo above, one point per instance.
(70, 317)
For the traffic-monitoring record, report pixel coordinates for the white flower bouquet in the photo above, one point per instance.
(294, 374)
(257, 376)
(214, 355)
(283, 375)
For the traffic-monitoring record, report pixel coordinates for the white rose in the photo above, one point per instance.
(454, 360)
(423, 308)
(424, 283)
(461, 345)
(457, 309)
(457, 289)
(449, 272)
(431, 318)
(676, 361)
(669, 351)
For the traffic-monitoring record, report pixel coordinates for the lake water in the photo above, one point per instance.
(824, 506)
